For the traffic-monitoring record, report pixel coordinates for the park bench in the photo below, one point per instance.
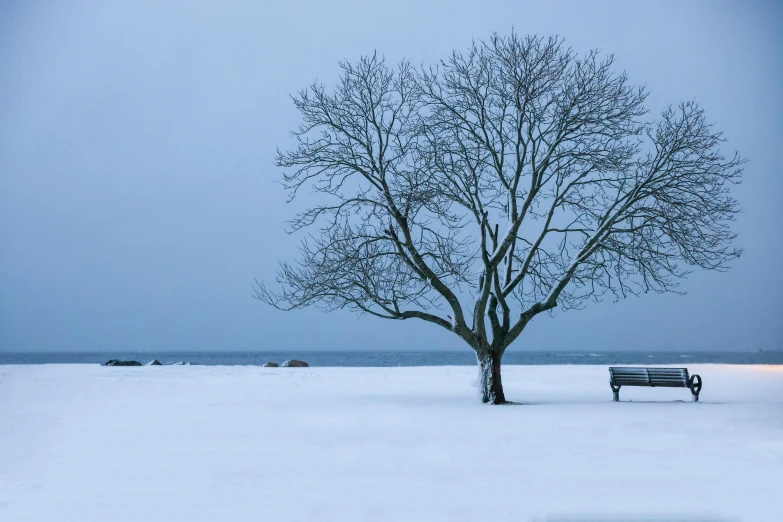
(656, 377)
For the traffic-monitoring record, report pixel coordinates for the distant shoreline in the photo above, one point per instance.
(397, 358)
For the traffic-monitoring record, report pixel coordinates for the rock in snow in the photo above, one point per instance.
(115, 362)
(154, 362)
(270, 365)
(294, 363)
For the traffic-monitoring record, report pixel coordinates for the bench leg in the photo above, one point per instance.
(694, 383)
(616, 394)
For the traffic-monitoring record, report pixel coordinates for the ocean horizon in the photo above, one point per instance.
(355, 358)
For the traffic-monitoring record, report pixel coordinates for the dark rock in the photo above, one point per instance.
(270, 365)
(115, 362)
(154, 362)
(293, 363)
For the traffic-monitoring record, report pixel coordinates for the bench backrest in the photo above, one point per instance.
(630, 376)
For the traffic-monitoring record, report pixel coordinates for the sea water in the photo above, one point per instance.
(396, 358)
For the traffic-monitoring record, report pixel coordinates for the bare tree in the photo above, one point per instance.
(505, 181)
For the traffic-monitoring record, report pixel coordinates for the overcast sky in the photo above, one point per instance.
(137, 194)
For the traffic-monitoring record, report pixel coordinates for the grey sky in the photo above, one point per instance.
(137, 201)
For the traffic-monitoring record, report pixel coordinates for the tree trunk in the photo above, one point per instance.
(491, 385)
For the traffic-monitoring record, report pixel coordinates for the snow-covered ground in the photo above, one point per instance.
(88, 443)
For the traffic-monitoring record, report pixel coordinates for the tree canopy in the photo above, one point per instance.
(502, 182)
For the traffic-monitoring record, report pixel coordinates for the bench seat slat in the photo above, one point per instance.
(654, 384)
(660, 377)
